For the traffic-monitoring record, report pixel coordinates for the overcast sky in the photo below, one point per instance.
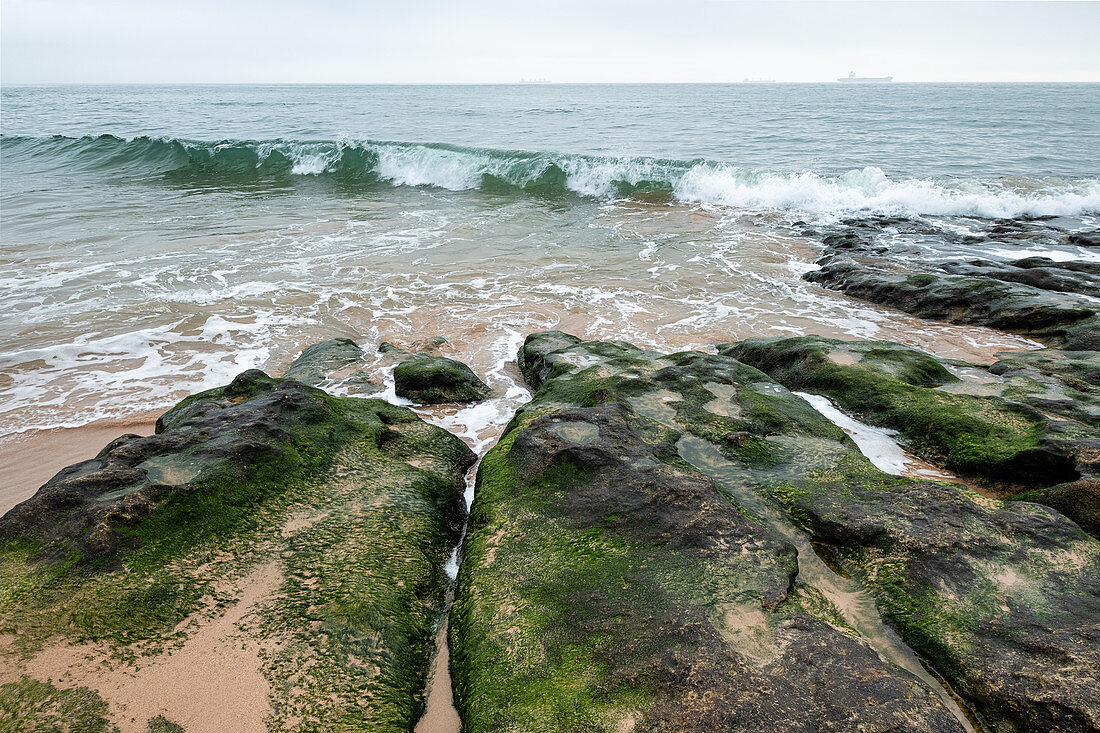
(47, 41)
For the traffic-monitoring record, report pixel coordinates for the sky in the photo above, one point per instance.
(342, 41)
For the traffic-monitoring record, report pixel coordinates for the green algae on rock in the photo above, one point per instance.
(1004, 599)
(606, 584)
(981, 436)
(318, 361)
(430, 380)
(356, 502)
(1067, 320)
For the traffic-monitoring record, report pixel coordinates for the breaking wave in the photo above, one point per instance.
(555, 174)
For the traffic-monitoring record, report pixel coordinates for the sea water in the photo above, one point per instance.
(157, 240)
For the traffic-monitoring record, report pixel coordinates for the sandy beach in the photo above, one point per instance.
(30, 459)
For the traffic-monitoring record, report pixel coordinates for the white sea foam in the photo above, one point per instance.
(870, 190)
(878, 444)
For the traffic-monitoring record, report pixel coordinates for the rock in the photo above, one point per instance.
(1048, 275)
(980, 301)
(1084, 239)
(1061, 383)
(1003, 600)
(351, 505)
(980, 436)
(609, 584)
(1079, 500)
(875, 259)
(387, 348)
(319, 361)
(430, 380)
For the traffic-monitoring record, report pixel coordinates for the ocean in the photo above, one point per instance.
(157, 240)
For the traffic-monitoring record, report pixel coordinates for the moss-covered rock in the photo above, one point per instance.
(1062, 319)
(357, 503)
(317, 362)
(430, 380)
(1063, 383)
(981, 436)
(1003, 599)
(607, 584)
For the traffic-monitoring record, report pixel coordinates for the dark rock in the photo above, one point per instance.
(608, 584)
(981, 436)
(1084, 239)
(353, 503)
(964, 584)
(979, 301)
(387, 348)
(1062, 383)
(319, 361)
(1089, 268)
(1043, 276)
(1080, 501)
(430, 380)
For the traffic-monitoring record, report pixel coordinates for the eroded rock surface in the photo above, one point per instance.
(430, 380)
(1004, 597)
(1030, 422)
(353, 504)
(906, 264)
(609, 584)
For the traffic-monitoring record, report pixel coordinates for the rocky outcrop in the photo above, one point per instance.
(1003, 599)
(609, 583)
(602, 577)
(979, 586)
(317, 362)
(430, 380)
(1038, 272)
(983, 436)
(908, 265)
(1060, 318)
(355, 503)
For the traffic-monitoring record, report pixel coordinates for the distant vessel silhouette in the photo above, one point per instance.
(852, 77)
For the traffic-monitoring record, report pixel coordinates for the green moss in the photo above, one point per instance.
(161, 724)
(363, 586)
(976, 436)
(31, 706)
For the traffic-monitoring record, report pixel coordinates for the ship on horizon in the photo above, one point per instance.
(852, 77)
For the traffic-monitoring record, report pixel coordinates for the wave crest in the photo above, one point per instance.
(457, 168)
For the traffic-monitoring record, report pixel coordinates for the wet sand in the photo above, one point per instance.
(211, 684)
(30, 459)
(440, 715)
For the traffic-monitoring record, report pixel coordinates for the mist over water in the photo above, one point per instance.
(158, 240)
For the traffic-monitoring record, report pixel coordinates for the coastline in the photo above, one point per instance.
(28, 460)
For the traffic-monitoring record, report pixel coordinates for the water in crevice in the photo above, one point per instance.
(878, 444)
(854, 603)
(479, 425)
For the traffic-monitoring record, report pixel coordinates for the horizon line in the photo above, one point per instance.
(532, 83)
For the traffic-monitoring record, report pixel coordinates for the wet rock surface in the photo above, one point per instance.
(914, 266)
(318, 361)
(356, 502)
(621, 572)
(430, 380)
(1004, 598)
(1030, 422)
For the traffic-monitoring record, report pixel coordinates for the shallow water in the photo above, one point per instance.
(223, 228)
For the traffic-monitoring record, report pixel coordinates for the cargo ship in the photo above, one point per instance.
(852, 77)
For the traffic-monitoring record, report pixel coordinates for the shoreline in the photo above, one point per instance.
(28, 460)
